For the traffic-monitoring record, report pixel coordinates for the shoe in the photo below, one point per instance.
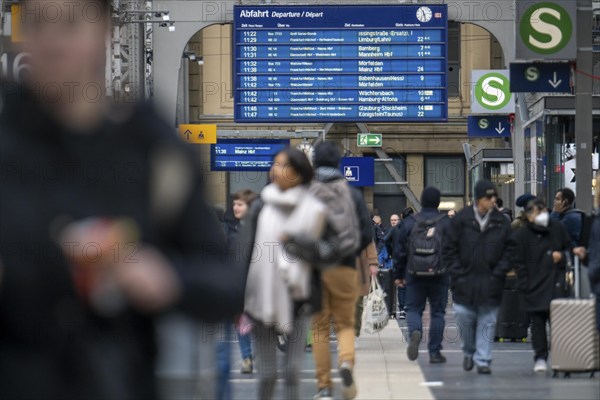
(247, 366)
(468, 363)
(324, 394)
(392, 316)
(402, 314)
(540, 365)
(413, 346)
(348, 385)
(437, 358)
(484, 370)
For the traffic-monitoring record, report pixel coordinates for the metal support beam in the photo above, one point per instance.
(398, 178)
(583, 106)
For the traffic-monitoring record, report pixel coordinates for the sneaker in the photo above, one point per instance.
(468, 363)
(437, 358)
(402, 314)
(348, 385)
(540, 365)
(413, 346)
(484, 370)
(324, 394)
(247, 366)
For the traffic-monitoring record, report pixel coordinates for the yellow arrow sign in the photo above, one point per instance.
(198, 133)
(15, 10)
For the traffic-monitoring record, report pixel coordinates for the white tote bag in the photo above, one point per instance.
(376, 317)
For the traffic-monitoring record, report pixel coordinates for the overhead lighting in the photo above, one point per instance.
(171, 27)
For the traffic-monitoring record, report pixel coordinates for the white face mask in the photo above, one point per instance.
(542, 219)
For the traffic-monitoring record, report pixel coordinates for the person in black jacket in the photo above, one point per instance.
(477, 253)
(419, 289)
(542, 250)
(103, 225)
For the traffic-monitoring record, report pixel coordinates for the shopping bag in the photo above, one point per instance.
(376, 314)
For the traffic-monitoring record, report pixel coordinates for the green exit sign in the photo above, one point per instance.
(369, 140)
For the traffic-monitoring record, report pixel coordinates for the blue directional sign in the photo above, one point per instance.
(358, 171)
(340, 63)
(245, 154)
(489, 126)
(540, 77)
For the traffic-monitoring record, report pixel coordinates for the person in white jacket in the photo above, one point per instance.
(282, 290)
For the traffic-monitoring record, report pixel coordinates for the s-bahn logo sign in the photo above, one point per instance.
(545, 30)
(491, 92)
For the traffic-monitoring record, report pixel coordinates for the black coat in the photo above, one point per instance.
(478, 261)
(52, 345)
(538, 278)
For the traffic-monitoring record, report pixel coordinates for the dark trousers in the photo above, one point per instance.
(539, 336)
(418, 290)
(401, 299)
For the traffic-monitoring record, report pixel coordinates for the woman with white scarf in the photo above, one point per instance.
(282, 291)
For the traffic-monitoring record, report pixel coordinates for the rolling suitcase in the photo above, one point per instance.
(575, 344)
(512, 322)
(386, 281)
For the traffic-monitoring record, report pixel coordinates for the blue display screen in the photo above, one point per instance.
(245, 154)
(344, 63)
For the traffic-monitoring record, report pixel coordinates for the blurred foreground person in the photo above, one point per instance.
(348, 212)
(543, 248)
(282, 290)
(477, 254)
(594, 253)
(103, 224)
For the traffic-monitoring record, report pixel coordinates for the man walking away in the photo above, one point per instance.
(340, 288)
(477, 254)
(420, 268)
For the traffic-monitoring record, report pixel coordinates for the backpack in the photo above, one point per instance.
(342, 219)
(425, 245)
(581, 241)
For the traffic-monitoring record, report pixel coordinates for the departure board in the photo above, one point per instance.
(340, 63)
(245, 154)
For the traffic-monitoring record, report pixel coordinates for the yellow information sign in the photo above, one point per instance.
(15, 11)
(198, 133)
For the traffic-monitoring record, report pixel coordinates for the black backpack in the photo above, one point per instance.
(425, 245)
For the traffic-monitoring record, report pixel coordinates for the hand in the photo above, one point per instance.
(557, 257)
(149, 283)
(580, 252)
(400, 283)
(373, 269)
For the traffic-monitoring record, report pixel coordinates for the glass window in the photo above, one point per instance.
(446, 173)
(383, 178)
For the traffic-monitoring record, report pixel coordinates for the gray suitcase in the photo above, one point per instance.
(575, 343)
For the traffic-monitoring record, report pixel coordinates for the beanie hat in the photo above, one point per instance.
(484, 188)
(524, 199)
(430, 198)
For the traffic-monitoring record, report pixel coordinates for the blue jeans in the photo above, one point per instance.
(401, 298)
(418, 290)
(477, 327)
(245, 346)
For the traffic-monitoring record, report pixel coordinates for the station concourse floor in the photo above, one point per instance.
(384, 372)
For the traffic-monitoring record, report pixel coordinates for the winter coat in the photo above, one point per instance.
(367, 258)
(478, 260)
(572, 219)
(594, 254)
(268, 298)
(401, 244)
(52, 344)
(539, 279)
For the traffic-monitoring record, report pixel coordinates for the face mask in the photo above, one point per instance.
(542, 219)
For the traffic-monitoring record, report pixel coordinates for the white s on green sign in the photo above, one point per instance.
(491, 92)
(546, 30)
